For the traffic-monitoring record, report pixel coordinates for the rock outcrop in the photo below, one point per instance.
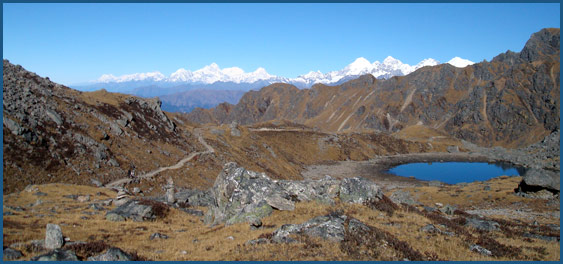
(241, 195)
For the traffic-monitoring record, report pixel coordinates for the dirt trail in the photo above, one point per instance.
(178, 165)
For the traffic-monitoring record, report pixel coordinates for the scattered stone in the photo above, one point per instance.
(7, 213)
(452, 149)
(439, 204)
(83, 198)
(359, 190)
(133, 210)
(170, 191)
(57, 255)
(480, 250)
(429, 209)
(448, 209)
(31, 188)
(331, 227)
(136, 190)
(235, 132)
(53, 237)
(192, 211)
(430, 228)
(12, 254)
(96, 207)
(255, 223)
(183, 252)
(158, 236)
(258, 241)
(484, 225)
(107, 202)
(71, 196)
(403, 197)
(230, 238)
(112, 254)
(487, 188)
(96, 182)
(40, 194)
(37, 202)
(114, 217)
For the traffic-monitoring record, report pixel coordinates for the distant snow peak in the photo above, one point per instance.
(212, 73)
(153, 76)
(209, 74)
(460, 63)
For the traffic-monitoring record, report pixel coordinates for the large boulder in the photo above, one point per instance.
(240, 195)
(359, 190)
(538, 179)
(330, 227)
(53, 237)
(134, 210)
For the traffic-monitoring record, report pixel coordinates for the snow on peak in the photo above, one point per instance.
(460, 63)
(149, 76)
(213, 73)
(427, 62)
(391, 61)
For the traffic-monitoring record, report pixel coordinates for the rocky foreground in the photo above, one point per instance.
(248, 216)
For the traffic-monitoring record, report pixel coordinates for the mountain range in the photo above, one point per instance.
(510, 101)
(229, 83)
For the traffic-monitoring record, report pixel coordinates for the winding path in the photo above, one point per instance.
(178, 165)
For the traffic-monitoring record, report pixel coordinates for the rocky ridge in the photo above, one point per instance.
(511, 101)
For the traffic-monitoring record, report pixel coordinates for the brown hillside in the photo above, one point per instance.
(511, 101)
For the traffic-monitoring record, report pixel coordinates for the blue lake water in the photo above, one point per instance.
(454, 172)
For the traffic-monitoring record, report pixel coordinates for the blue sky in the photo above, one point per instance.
(74, 43)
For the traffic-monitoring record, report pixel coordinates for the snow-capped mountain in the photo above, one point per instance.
(212, 73)
(460, 63)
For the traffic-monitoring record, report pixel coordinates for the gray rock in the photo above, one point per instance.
(96, 182)
(240, 194)
(158, 236)
(400, 197)
(96, 207)
(540, 178)
(452, 149)
(40, 194)
(258, 241)
(330, 227)
(136, 190)
(359, 190)
(133, 210)
(430, 228)
(12, 254)
(448, 209)
(484, 225)
(487, 188)
(114, 217)
(235, 132)
(195, 197)
(480, 250)
(53, 237)
(57, 255)
(112, 254)
(54, 116)
(192, 211)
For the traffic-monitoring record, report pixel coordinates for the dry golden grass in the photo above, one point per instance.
(190, 239)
